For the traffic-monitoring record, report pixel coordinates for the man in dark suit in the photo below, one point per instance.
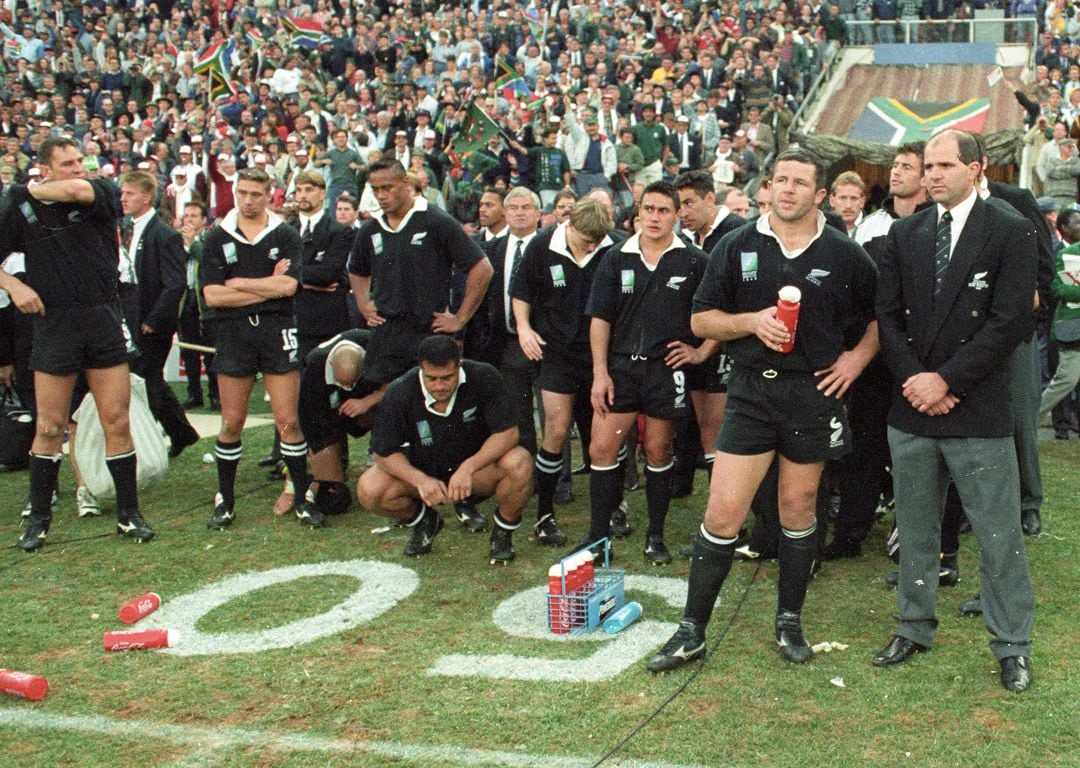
(494, 338)
(156, 252)
(322, 300)
(710, 72)
(1025, 382)
(954, 301)
(684, 146)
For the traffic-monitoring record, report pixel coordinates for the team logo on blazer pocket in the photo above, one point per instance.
(978, 283)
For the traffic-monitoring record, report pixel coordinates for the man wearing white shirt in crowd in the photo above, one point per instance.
(191, 169)
(286, 79)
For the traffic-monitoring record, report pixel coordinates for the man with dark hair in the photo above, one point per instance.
(641, 340)
(400, 272)
(491, 216)
(778, 403)
(66, 226)
(155, 252)
(321, 301)
(708, 223)
(196, 324)
(863, 474)
(954, 303)
(549, 168)
(445, 433)
(250, 271)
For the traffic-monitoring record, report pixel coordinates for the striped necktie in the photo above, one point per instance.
(941, 248)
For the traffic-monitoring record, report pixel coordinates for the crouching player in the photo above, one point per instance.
(444, 433)
(336, 403)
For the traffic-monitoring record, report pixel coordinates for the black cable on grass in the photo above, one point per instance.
(686, 683)
(28, 556)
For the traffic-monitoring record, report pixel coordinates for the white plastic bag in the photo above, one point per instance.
(153, 458)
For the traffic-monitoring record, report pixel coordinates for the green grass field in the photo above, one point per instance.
(434, 673)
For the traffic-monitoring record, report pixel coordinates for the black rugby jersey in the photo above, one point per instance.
(437, 443)
(557, 287)
(227, 253)
(837, 279)
(410, 268)
(72, 250)
(647, 308)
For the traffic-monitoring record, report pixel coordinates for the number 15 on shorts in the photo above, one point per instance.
(288, 339)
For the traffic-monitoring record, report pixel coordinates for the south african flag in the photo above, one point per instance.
(898, 121)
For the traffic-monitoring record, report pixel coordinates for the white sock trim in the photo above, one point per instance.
(799, 534)
(664, 468)
(595, 468)
(716, 539)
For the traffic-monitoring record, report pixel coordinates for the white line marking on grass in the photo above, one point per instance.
(525, 615)
(382, 586)
(211, 738)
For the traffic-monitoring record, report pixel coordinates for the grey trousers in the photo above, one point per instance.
(1065, 378)
(986, 476)
(1025, 392)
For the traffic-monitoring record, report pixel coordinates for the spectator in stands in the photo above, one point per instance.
(1051, 150)
(1061, 174)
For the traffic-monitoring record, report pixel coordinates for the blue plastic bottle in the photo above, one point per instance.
(622, 618)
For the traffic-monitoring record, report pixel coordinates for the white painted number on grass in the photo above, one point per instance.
(524, 615)
(382, 586)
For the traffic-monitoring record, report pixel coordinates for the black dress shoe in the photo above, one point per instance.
(1016, 673)
(270, 460)
(180, 444)
(840, 548)
(581, 469)
(1031, 522)
(972, 606)
(563, 493)
(192, 402)
(682, 487)
(899, 650)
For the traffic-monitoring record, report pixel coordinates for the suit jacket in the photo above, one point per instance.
(709, 78)
(322, 314)
(694, 155)
(160, 269)
(1024, 203)
(969, 330)
(486, 337)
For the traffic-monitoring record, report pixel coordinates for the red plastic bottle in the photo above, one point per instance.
(587, 568)
(137, 639)
(23, 684)
(141, 606)
(558, 620)
(787, 312)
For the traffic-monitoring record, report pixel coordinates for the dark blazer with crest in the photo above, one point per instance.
(160, 268)
(486, 338)
(969, 330)
(324, 314)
